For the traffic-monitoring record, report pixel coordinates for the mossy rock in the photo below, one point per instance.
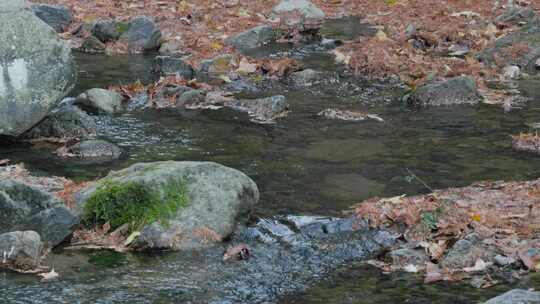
(177, 205)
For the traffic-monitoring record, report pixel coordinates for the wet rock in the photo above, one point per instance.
(66, 122)
(516, 15)
(457, 90)
(20, 250)
(91, 149)
(347, 115)
(170, 48)
(220, 65)
(26, 207)
(92, 45)
(252, 38)
(100, 101)
(465, 252)
(457, 50)
(307, 9)
(517, 296)
(407, 256)
(307, 78)
(192, 99)
(36, 65)
(503, 260)
(511, 72)
(262, 110)
(526, 143)
(58, 17)
(166, 65)
(142, 35)
(218, 198)
(109, 30)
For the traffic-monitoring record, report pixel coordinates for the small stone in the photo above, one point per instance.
(511, 72)
(170, 48)
(407, 256)
(92, 45)
(410, 31)
(100, 101)
(252, 38)
(108, 30)
(20, 250)
(245, 67)
(167, 65)
(503, 260)
(307, 9)
(142, 35)
(91, 149)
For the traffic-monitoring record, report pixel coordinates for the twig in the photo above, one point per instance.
(419, 179)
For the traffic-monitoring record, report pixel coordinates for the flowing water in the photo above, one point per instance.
(303, 164)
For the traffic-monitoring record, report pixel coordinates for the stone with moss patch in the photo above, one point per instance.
(177, 205)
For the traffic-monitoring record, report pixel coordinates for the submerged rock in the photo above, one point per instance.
(66, 122)
(20, 250)
(26, 207)
(262, 110)
(347, 115)
(252, 38)
(100, 101)
(36, 68)
(58, 17)
(142, 35)
(91, 149)
(517, 296)
(218, 198)
(453, 91)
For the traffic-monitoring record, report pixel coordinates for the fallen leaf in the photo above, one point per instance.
(47, 276)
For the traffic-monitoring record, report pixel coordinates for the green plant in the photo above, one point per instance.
(430, 219)
(134, 204)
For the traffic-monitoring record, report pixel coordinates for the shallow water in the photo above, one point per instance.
(303, 164)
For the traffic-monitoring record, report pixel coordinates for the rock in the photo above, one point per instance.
(525, 42)
(410, 31)
(170, 48)
(192, 99)
(262, 110)
(109, 30)
(503, 260)
(307, 78)
(457, 90)
(26, 207)
(92, 45)
(166, 65)
(58, 17)
(100, 101)
(537, 64)
(171, 95)
(218, 198)
(511, 72)
(36, 69)
(516, 15)
(91, 149)
(220, 65)
(347, 115)
(517, 296)
(20, 250)
(252, 38)
(406, 256)
(244, 67)
(307, 9)
(465, 253)
(457, 50)
(142, 35)
(66, 122)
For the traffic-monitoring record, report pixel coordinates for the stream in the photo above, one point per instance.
(303, 164)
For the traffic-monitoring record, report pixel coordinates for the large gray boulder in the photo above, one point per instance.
(25, 207)
(20, 250)
(457, 90)
(517, 296)
(218, 198)
(167, 65)
(36, 68)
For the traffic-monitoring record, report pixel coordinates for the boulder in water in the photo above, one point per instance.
(58, 17)
(20, 250)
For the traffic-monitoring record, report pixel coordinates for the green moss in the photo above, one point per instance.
(122, 27)
(133, 203)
